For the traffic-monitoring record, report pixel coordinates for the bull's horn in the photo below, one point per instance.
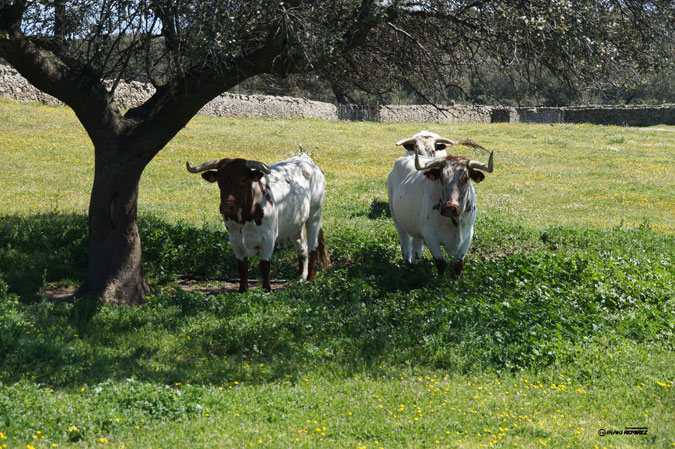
(406, 141)
(414, 139)
(211, 165)
(481, 166)
(255, 165)
(445, 141)
(429, 165)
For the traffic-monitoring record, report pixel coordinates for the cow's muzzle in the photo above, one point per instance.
(228, 208)
(450, 210)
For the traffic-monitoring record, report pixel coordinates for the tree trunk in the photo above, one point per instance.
(115, 272)
(339, 95)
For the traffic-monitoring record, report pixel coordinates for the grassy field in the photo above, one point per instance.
(562, 329)
(566, 175)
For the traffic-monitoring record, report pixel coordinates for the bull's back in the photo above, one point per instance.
(298, 187)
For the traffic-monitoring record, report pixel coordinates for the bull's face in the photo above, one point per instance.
(425, 143)
(235, 181)
(455, 176)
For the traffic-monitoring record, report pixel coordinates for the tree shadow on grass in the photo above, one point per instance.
(379, 209)
(364, 312)
(179, 336)
(40, 249)
(45, 249)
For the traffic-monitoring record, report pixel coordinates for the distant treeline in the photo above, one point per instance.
(504, 90)
(657, 89)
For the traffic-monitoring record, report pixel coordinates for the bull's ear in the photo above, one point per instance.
(255, 175)
(210, 176)
(433, 174)
(440, 146)
(409, 146)
(476, 175)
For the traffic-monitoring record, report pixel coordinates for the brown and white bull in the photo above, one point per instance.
(425, 143)
(262, 204)
(433, 201)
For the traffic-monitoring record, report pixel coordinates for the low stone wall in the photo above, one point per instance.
(624, 116)
(233, 105)
(540, 115)
(130, 94)
(427, 113)
(15, 87)
(601, 115)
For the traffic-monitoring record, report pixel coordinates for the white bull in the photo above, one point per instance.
(262, 204)
(433, 202)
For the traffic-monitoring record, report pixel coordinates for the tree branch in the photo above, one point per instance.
(79, 89)
(172, 106)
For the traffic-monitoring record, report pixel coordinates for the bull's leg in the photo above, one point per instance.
(265, 257)
(440, 266)
(417, 248)
(243, 274)
(313, 229)
(265, 274)
(302, 266)
(436, 251)
(311, 266)
(404, 238)
(300, 244)
(458, 262)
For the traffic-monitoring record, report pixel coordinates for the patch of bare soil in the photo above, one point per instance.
(59, 293)
(215, 287)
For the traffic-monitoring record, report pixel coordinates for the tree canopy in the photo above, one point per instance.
(195, 50)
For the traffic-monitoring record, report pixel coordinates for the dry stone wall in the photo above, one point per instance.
(426, 113)
(130, 94)
(601, 115)
(625, 116)
(233, 105)
(16, 87)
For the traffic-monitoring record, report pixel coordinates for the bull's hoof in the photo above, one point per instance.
(458, 268)
(440, 266)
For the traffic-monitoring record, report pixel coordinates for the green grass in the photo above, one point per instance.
(568, 175)
(563, 324)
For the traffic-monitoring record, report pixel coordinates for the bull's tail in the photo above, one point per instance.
(322, 250)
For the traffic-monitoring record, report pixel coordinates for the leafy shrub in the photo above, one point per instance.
(170, 250)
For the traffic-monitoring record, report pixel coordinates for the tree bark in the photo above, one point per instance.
(115, 272)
